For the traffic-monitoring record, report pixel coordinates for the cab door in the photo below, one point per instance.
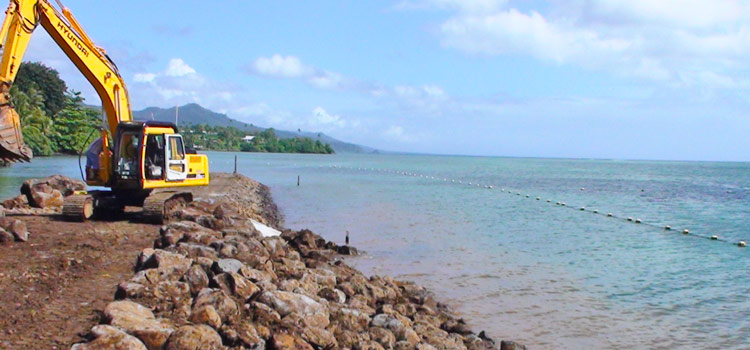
(176, 160)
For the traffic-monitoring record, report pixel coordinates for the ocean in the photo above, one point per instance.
(549, 276)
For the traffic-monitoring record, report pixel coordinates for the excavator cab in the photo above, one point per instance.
(151, 155)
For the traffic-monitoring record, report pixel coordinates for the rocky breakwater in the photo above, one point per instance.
(213, 281)
(38, 197)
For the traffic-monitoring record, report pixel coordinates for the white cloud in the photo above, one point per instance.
(321, 117)
(291, 67)
(672, 41)
(178, 68)
(178, 84)
(281, 66)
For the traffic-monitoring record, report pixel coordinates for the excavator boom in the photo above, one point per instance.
(21, 18)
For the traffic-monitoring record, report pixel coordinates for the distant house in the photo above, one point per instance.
(248, 138)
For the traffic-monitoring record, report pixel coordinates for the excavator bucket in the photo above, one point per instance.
(12, 148)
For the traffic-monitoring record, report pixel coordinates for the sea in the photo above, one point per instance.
(525, 248)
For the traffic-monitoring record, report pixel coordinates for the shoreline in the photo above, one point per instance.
(212, 279)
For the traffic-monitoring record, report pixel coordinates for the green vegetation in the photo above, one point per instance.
(222, 138)
(53, 118)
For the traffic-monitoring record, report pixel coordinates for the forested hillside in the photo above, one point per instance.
(232, 139)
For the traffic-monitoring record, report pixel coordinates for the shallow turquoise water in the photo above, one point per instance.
(550, 276)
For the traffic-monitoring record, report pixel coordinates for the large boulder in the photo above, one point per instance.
(5, 236)
(284, 341)
(15, 227)
(139, 321)
(314, 313)
(194, 337)
(168, 265)
(105, 337)
(49, 191)
(221, 302)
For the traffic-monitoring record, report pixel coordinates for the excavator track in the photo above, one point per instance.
(161, 207)
(78, 207)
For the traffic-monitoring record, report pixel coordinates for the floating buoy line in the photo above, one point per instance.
(636, 221)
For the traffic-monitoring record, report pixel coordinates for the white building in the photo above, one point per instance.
(248, 138)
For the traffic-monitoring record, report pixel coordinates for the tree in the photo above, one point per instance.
(37, 76)
(74, 125)
(36, 126)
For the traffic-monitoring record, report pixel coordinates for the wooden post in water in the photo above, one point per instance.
(298, 180)
(235, 164)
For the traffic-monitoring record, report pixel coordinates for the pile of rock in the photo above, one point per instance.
(213, 282)
(43, 196)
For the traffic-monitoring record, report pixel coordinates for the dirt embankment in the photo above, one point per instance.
(211, 281)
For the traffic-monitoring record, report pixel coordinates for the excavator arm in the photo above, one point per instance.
(21, 19)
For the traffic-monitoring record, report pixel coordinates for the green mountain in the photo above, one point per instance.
(195, 114)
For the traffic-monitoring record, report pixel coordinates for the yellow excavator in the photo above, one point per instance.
(131, 158)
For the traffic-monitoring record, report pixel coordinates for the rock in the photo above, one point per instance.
(206, 314)
(194, 337)
(474, 342)
(319, 338)
(383, 336)
(263, 313)
(347, 250)
(397, 326)
(43, 194)
(63, 184)
(196, 278)
(224, 305)
(249, 336)
(16, 227)
(129, 290)
(313, 312)
(284, 341)
(256, 276)
(370, 345)
(425, 346)
(511, 345)
(153, 338)
(139, 321)
(227, 265)
(352, 319)
(105, 337)
(195, 251)
(170, 266)
(19, 201)
(234, 283)
(403, 345)
(332, 294)
(128, 315)
(5, 236)
(456, 326)
(303, 238)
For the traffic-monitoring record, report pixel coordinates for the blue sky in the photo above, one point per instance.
(631, 79)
